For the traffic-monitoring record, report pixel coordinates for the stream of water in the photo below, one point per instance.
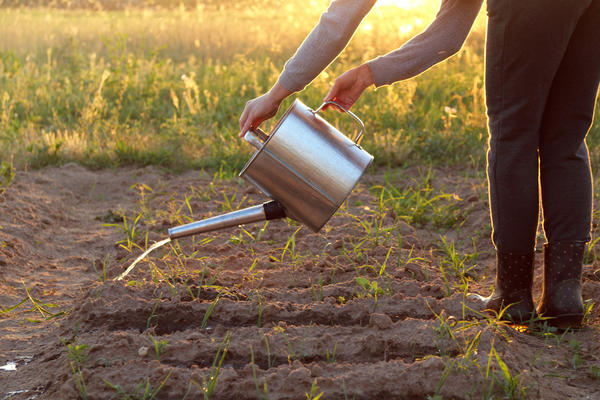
(140, 258)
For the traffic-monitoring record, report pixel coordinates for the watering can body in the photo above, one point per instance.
(306, 164)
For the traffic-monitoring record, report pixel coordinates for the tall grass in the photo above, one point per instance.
(167, 86)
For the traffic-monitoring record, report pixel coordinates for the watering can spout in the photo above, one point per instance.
(264, 212)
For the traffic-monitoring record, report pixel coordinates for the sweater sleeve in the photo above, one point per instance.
(326, 41)
(440, 40)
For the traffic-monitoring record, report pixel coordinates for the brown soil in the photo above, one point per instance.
(300, 314)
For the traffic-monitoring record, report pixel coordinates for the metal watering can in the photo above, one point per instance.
(305, 165)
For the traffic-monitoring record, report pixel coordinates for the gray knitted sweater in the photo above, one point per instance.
(441, 39)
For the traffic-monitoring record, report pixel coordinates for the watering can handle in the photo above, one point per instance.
(341, 107)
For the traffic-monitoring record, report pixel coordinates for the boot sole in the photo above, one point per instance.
(566, 321)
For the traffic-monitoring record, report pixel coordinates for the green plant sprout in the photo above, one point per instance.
(289, 248)
(131, 234)
(370, 288)
(160, 346)
(331, 357)
(265, 393)
(38, 306)
(143, 391)
(268, 348)
(103, 275)
(209, 311)
(210, 382)
(313, 395)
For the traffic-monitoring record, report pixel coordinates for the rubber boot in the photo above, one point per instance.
(514, 280)
(561, 300)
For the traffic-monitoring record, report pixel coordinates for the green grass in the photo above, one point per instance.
(166, 88)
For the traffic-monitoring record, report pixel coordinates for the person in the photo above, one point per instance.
(542, 69)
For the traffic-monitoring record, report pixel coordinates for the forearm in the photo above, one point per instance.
(278, 93)
(440, 40)
(324, 43)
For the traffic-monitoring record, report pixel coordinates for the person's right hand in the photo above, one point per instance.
(348, 87)
(262, 108)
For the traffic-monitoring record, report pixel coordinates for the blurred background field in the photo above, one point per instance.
(166, 85)
(107, 83)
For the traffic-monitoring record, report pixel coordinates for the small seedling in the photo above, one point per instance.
(209, 311)
(268, 351)
(576, 359)
(131, 234)
(160, 346)
(265, 393)
(370, 288)
(42, 308)
(261, 306)
(79, 382)
(143, 391)
(317, 290)
(313, 392)
(448, 367)
(210, 382)
(78, 353)
(289, 248)
(595, 372)
(331, 357)
(152, 315)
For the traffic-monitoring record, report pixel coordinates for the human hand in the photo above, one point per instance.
(348, 87)
(262, 108)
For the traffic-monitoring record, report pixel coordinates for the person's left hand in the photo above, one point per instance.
(348, 87)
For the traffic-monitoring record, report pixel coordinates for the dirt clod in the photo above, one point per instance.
(380, 321)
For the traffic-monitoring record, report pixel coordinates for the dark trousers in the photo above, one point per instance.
(542, 74)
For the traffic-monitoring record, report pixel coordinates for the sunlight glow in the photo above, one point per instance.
(405, 4)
